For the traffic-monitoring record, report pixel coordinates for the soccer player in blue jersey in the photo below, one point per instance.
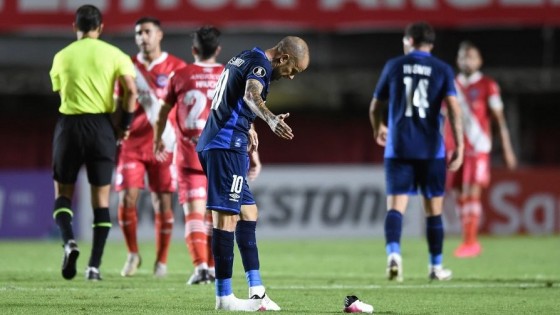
(406, 120)
(223, 149)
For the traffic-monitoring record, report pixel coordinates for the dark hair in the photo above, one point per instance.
(421, 33)
(148, 19)
(205, 40)
(88, 18)
(465, 45)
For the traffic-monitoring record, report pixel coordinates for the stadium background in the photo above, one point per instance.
(328, 181)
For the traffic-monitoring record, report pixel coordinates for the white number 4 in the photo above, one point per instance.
(419, 98)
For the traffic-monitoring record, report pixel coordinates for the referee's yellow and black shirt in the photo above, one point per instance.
(85, 73)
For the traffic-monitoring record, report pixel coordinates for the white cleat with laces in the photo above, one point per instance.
(266, 303)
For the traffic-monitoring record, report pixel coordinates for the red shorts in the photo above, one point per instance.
(475, 170)
(131, 172)
(192, 185)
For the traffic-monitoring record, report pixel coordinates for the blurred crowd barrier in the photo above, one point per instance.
(298, 202)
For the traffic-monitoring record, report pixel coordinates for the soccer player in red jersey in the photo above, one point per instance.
(154, 68)
(479, 97)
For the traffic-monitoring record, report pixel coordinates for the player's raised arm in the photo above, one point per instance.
(253, 99)
(377, 109)
(454, 114)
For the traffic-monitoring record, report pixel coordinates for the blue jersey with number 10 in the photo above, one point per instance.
(415, 86)
(230, 119)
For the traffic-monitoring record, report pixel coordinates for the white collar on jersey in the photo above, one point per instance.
(155, 62)
(204, 64)
(473, 78)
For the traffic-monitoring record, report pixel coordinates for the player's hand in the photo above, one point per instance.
(122, 134)
(254, 170)
(381, 135)
(455, 161)
(280, 128)
(510, 159)
(253, 141)
(159, 151)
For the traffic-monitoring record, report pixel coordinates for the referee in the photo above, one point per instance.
(85, 73)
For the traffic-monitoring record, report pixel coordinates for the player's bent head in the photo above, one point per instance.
(421, 33)
(297, 48)
(206, 41)
(148, 19)
(88, 18)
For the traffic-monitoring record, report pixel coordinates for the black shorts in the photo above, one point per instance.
(84, 139)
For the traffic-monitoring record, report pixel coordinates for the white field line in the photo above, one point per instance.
(321, 287)
(409, 286)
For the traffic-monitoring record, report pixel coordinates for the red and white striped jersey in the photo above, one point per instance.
(151, 81)
(477, 95)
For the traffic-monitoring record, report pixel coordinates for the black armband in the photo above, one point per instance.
(126, 120)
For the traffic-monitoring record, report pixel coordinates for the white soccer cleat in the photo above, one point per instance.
(439, 273)
(353, 305)
(231, 303)
(160, 270)
(199, 277)
(133, 262)
(394, 267)
(71, 253)
(266, 303)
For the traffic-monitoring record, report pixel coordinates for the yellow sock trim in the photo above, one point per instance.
(102, 224)
(57, 211)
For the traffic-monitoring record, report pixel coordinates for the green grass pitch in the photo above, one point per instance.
(518, 275)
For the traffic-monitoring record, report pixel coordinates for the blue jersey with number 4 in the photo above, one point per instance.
(414, 86)
(230, 119)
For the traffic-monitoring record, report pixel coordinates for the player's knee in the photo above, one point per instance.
(249, 212)
(225, 221)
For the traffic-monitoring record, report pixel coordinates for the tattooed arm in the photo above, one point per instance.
(253, 99)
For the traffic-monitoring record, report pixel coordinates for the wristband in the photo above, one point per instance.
(126, 120)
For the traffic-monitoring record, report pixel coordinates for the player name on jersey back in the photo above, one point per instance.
(417, 69)
(236, 61)
(205, 80)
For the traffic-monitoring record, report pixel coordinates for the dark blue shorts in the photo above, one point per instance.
(226, 171)
(407, 176)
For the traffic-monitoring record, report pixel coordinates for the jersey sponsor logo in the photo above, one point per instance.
(234, 197)
(237, 142)
(259, 71)
(161, 80)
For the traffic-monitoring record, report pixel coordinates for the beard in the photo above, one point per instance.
(275, 76)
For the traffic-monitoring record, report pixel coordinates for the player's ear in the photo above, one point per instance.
(74, 27)
(101, 28)
(284, 58)
(159, 34)
(218, 50)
